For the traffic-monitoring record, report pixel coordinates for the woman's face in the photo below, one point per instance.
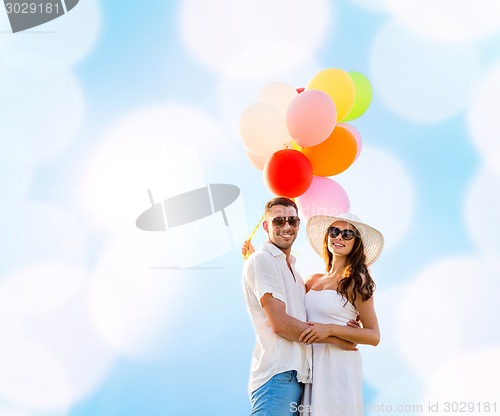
(340, 242)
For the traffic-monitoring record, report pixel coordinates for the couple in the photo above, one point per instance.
(296, 330)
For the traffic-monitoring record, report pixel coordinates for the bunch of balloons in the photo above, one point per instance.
(300, 137)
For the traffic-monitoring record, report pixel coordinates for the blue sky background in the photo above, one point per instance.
(114, 98)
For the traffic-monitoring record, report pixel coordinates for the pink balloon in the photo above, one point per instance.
(356, 134)
(311, 118)
(324, 197)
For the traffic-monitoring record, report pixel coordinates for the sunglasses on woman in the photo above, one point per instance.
(347, 234)
(293, 221)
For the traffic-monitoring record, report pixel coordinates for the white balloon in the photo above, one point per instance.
(278, 94)
(263, 129)
(235, 91)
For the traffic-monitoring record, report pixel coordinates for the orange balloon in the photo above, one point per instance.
(335, 154)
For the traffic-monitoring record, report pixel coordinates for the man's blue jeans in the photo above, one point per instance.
(280, 396)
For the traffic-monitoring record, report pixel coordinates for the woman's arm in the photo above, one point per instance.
(369, 334)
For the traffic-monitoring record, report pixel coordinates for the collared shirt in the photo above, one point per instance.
(266, 271)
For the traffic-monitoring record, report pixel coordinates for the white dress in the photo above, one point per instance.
(337, 387)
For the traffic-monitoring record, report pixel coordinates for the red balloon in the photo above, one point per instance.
(288, 172)
(299, 90)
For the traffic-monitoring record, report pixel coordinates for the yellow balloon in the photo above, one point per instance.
(296, 146)
(339, 86)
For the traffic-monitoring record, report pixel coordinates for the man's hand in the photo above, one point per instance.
(247, 248)
(342, 343)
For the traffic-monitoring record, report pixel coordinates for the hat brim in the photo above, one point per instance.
(373, 240)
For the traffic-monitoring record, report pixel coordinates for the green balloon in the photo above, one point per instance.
(363, 97)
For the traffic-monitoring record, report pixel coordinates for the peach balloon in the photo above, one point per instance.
(258, 161)
(278, 94)
(263, 129)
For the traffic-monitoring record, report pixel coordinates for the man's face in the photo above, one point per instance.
(284, 235)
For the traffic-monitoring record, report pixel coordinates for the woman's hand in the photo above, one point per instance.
(315, 333)
(247, 248)
(354, 323)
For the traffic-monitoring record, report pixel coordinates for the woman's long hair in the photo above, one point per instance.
(352, 281)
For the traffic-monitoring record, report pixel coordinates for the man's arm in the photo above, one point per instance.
(290, 328)
(282, 324)
(339, 342)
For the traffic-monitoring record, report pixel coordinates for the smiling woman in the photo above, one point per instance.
(333, 300)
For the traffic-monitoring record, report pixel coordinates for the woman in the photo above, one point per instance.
(344, 292)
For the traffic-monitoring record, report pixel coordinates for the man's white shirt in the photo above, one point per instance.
(266, 271)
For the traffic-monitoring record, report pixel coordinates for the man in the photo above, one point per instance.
(274, 294)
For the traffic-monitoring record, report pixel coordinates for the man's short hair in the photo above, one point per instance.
(280, 200)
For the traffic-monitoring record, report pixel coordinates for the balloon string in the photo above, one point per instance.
(245, 256)
(255, 229)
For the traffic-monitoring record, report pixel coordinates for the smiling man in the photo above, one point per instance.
(274, 293)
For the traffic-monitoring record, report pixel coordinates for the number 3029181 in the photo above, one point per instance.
(32, 8)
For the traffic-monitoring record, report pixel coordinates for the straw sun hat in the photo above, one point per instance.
(373, 240)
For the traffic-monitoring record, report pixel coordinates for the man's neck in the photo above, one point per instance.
(286, 251)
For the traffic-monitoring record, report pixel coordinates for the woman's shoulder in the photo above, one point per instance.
(312, 278)
(315, 276)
